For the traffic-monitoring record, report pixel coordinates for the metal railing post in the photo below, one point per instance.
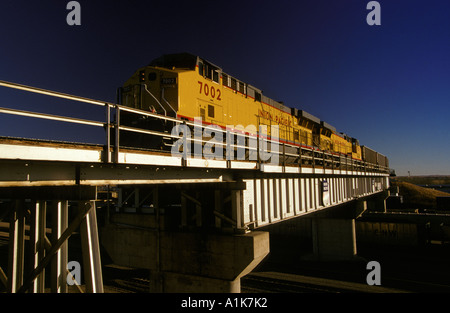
(117, 127)
(108, 134)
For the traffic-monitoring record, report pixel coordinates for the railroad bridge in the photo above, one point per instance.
(197, 223)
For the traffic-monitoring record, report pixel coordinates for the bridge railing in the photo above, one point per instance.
(189, 137)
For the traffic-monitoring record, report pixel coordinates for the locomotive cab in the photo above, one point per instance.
(154, 87)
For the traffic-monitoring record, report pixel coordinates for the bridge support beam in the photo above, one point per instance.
(183, 261)
(42, 251)
(37, 242)
(16, 246)
(60, 220)
(91, 252)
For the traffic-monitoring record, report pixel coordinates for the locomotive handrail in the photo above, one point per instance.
(148, 91)
(162, 96)
(147, 113)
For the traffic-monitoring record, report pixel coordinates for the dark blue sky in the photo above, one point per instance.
(387, 85)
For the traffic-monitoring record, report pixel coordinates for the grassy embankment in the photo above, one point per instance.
(415, 197)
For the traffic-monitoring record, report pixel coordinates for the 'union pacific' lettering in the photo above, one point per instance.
(277, 119)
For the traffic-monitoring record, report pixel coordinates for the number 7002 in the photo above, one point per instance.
(210, 91)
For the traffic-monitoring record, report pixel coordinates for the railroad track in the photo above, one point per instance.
(291, 283)
(254, 284)
(130, 285)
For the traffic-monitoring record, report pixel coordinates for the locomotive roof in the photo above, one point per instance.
(309, 116)
(326, 125)
(178, 60)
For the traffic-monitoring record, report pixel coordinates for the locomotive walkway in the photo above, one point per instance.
(194, 222)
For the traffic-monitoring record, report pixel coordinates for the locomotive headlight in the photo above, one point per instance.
(142, 76)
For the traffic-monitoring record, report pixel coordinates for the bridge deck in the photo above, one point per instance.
(69, 154)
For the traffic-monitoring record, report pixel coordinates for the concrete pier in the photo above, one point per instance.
(183, 261)
(377, 203)
(333, 238)
(333, 231)
(326, 235)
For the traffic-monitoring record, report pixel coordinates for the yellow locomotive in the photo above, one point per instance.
(187, 87)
